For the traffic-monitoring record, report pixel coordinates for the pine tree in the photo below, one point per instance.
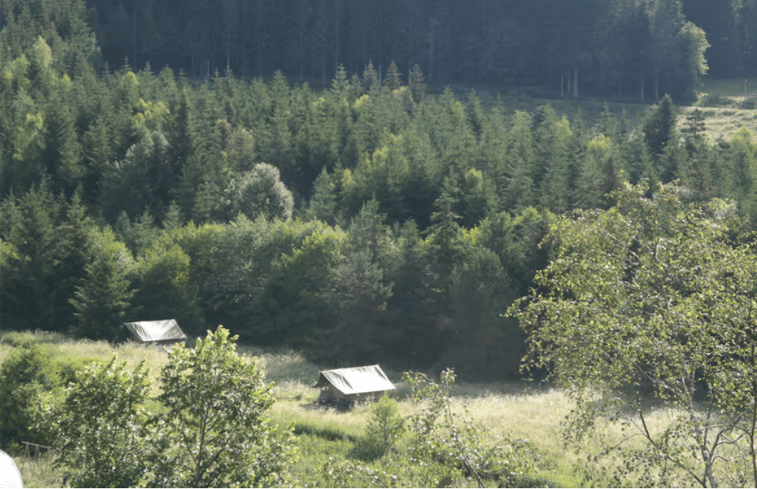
(393, 77)
(417, 84)
(61, 149)
(659, 129)
(370, 81)
(103, 298)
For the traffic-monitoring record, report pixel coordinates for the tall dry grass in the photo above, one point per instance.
(516, 410)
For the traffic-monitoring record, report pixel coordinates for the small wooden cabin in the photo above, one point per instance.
(348, 385)
(164, 332)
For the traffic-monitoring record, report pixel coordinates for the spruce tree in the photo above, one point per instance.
(417, 84)
(103, 298)
(393, 78)
(660, 131)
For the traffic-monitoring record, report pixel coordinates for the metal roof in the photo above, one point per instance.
(355, 380)
(147, 331)
(10, 477)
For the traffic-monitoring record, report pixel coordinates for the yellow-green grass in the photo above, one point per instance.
(39, 471)
(730, 87)
(721, 123)
(516, 410)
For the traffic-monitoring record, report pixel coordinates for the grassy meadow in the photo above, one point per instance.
(726, 104)
(517, 410)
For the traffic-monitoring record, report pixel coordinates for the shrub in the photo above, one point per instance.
(714, 100)
(25, 376)
(101, 426)
(384, 428)
(447, 445)
(67, 367)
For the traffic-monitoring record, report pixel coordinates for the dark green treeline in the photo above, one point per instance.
(634, 49)
(368, 222)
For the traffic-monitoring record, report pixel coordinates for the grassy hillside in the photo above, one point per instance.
(518, 410)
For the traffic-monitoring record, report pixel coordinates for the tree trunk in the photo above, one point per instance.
(336, 48)
(642, 88)
(575, 83)
(656, 87)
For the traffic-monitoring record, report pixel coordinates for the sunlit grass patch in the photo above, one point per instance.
(39, 471)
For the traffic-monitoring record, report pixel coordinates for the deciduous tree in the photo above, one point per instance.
(651, 298)
(215, 421)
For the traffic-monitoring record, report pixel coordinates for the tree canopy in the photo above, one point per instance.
(652, 297)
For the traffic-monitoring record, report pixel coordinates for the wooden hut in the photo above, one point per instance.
(156, 332)
(348, 385)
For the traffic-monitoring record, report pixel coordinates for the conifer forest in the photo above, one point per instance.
(322, 175)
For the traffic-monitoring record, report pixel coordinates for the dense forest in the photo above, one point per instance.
(369, 220)
(625, 48)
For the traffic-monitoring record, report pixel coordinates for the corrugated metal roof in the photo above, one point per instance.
(10, 477)
(147, 331)
(355, 380)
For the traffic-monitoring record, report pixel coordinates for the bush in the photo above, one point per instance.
(447, 445)
(25, 377)
(714, 100)
(67, 367)
(384, 428)
(101, 426)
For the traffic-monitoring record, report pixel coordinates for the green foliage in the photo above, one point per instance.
(26, 376)
(660, 131)
(103, 299)
(48, 237)
(258, 192)
(346, 473)
(100, 427)
(651, 297)
(214, 420)
(447, 444)
(437, 166)
(480, 292)
(164, 289)
(385, 427)
(141, 181)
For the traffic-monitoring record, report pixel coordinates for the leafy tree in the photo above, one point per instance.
(101, 428)
(651, 298)
(743, 185)
(261, 192)
(215, 423)
(163, 287)
(292, 307)
(140, 181)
